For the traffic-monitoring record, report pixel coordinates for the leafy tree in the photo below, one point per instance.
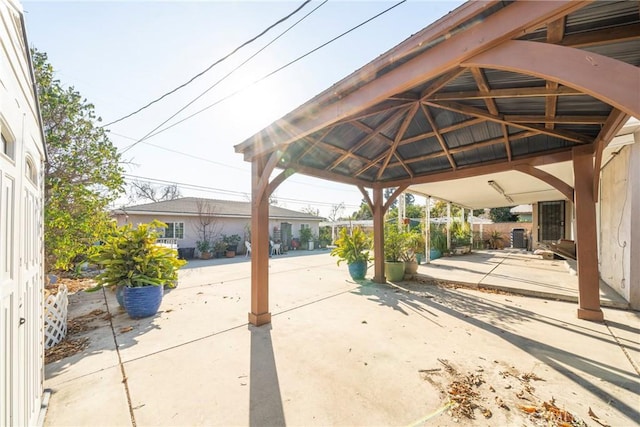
(439, 210)
(83, 174)
(311, 210)
(502, 214)
(141, 190)
(363, 213)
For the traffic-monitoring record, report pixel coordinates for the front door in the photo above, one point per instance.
(550, 221)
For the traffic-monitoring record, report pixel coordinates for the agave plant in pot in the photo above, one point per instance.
(354, 250)
(134, 263)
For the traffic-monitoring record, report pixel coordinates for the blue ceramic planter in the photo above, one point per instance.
(143, 301)
(358, 269)
(120, 295)
(434, 254)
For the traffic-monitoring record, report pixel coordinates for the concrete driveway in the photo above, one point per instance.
(343, 353)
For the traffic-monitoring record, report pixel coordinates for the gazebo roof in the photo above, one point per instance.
(468, 96)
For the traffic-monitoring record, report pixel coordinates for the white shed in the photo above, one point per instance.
(22, 157)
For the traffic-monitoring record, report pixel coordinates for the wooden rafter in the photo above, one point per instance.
(403, 128)
(372, 163)
(517, 92)
(313, 143)
(461, 125)
(483, 85)
(472, 111)
(469, 147)
(582, 120)
(600, 37)
(441, 82)
(392, 198)
(507, 141)
(365, 195)
(555, 34)
(366, 139)
(616, 120)
(439, 137)
(374, 111)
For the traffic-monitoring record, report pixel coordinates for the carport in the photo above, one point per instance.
(528, 91)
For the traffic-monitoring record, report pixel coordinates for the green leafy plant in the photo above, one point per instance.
(220, 246)
(306, 234)
(438, 239)
(495, 239)
(413, 245)
(203, 246)
(461, 233)
(352, 247)
(130, 257)
(395, 242)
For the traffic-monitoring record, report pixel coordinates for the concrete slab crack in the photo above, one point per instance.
(624, 350)
(125, 380)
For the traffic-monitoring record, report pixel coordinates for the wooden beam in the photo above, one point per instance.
(518, 92)
(378, 236)
(555, 182)
(365, 195)
(374, 110)
(313, 143)
(394, 196)
(403, 127)
(441, 82)
(472, 111)
(586, 235)
(606, 36)
(443, 143)
(507, 142)
(590, 74)
(269, 166)
(367, 138)
(561, 155)
(481, 81)
(515, 19)
(461, 125)
(329, 176)
(275, 182)
(574, 120)
(555, 33)
(405, 96)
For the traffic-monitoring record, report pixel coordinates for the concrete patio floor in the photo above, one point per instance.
(341, 353)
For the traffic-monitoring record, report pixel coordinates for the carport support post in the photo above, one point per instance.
(259, 314)
(586, 237)
(378, 236)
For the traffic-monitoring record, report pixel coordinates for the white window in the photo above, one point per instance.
(7, 146)
(303, 226)
(174, 230)
(30, 171)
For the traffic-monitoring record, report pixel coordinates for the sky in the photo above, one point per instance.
(120, 55)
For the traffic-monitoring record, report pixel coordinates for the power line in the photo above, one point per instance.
(244, 195)
(223, 78)
(212, 65)
(270, 74)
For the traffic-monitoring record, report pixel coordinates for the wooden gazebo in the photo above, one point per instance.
(496, 86)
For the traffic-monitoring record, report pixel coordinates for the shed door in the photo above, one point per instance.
(9, 316)
(551, 221)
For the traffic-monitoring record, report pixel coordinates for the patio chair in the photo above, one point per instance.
(248, 245)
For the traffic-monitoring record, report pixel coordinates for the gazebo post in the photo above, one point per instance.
(378, 236)
(586, 238)
(259, 314)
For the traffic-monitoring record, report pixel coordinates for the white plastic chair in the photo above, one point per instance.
(248, 245)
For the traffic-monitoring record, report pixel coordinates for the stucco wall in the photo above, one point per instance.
(228, 226)
(618, 212)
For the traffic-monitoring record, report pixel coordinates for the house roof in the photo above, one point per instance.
(471, 96)
(192, 206)
(522, 209)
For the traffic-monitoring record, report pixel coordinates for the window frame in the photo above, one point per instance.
(173, 229)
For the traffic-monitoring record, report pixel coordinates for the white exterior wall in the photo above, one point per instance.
(21, 233)
(619, 233)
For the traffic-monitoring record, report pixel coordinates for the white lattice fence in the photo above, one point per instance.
(55, 317)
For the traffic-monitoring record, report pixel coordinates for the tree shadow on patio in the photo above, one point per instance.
(506, 321)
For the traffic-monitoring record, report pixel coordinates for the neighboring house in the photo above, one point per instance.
(524, 212)
(22, 157)
(185, 218)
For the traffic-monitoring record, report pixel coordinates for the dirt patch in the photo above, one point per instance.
(73, 343)
(498, 393)
(73, 284)
(65, 348)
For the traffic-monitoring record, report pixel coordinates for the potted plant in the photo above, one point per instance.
(204, 247)
(220, 248)
(354, 250)
(132, 260)
(394, 247)
(495, 240)
(232, 244)
(306, 238)
(414, 243)
(438, 243)
(461, 233)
